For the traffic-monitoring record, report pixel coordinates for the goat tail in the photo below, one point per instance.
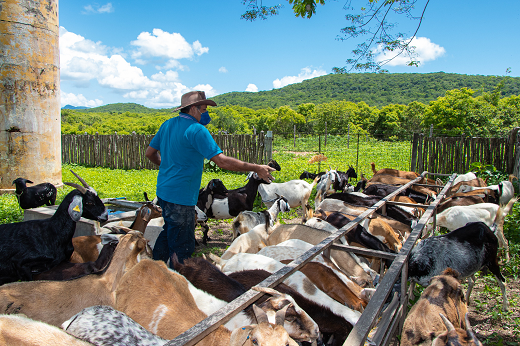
(373, 167)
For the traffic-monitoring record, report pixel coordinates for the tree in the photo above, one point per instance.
(373, 20)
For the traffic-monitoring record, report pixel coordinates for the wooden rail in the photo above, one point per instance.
(212, 322)
(399, 268)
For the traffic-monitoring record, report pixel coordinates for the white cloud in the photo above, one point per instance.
(165, 46)
(107, 8)
(78, 100)
(252, 88)
(425, 50)
(306, 73)
(222, 70)
(83, 60)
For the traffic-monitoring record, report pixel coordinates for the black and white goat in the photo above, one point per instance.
(247, 220)
(31, 247)
(238, 200)
(34, 196)
(467, 250)
(204, 202)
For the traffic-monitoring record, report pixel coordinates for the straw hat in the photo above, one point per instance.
(194, 98)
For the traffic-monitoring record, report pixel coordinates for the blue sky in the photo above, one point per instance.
(152, 52)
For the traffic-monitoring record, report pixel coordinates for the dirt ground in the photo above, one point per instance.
(491, 326)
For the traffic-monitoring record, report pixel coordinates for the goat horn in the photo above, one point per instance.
(80, 179)
(261, 316)
(447, 323)
(267, 290)
(470, 331)
(76, 186)
(279, 317)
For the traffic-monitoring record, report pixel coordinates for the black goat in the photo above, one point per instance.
(34, 196)
(393, 211)
(467, 250)
(32, 247)
(205, 200)
(383, 190)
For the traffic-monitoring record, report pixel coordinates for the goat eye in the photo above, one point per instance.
(254, 341)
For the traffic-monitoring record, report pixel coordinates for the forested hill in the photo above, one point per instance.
(375, 89)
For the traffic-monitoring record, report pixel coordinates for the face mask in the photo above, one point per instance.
(204, 118)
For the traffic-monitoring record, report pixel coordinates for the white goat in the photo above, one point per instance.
(250, 242)
(464, 177)
(297, 281)
(297, 192)
(324, 185)
(505, 189)
(246, 220)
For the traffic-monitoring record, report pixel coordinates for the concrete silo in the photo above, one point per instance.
(30, 120)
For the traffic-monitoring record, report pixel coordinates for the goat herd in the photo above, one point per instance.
(106, 289)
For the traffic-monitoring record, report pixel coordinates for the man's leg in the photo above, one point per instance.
(178, 235)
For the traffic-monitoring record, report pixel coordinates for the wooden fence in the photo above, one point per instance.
(128, 151)
(455, 154)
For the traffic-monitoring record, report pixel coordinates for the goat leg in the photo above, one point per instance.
(205, 231)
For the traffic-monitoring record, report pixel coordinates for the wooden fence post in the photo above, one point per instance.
(511, 150)
(415, 142)
(325, 144)
(294, 136)
(269, 145)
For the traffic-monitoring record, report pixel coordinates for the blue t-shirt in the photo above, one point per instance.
(183, 144)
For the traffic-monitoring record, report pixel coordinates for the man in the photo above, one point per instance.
(179, 149)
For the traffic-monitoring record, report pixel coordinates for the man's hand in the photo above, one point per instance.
(264, 172)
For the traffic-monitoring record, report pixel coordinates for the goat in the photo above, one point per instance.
(443, 295)
(297, 192)
(34, 196)
(403, 174)
(504, 191)
(393, 211)
(205, 200)
(466, 250)
(31, 247)
(103, 325)
(382, 190)
(458, 216)
(250, 242)
(87, 248)
(54, 302)
(464, 177)
(456, 336)
(169, 308)
(339, 284)
(246, 220)
(22, 331)
(458, 201)
(478, 182)
(341, 178)
(330, 324)
(324, 185)
(237, 200)
(393, 180)
(358, 235)
(297, 281)
(208, 278)
(68, 270)
(347, 262)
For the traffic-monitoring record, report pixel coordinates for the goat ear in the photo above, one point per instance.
(239, 336)
(280, 315)
(261, 316)
(76, 208)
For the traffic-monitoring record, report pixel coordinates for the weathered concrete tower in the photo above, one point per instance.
(30, 120)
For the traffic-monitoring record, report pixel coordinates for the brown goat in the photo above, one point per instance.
(444, 295)
(168, 309)
(87, 248)
(479, 182)
(402, 174)
(456, 336)
(327, 281)
(393, 180)
(458, 200)
(54, 302)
